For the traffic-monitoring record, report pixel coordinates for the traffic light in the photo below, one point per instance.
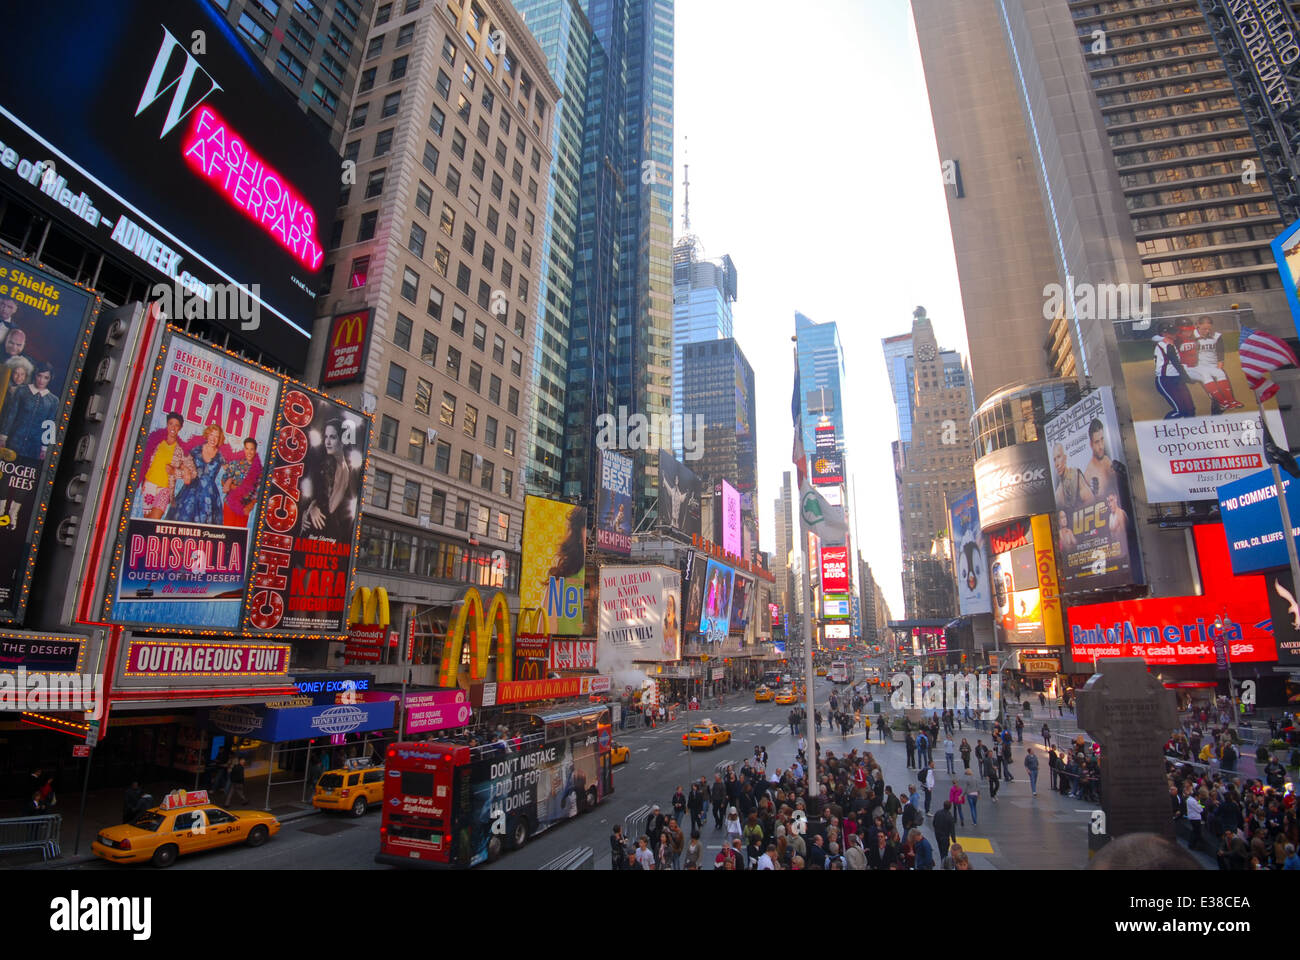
(963, 658)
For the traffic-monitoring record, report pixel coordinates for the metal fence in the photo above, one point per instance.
(32, 833)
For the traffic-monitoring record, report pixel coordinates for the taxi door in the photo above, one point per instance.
(224, 827)
(190, 831)
(372, 782)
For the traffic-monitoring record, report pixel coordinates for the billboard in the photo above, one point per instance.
(1252, 520)
(1285, 613)
(1013, 482)
(929, 640)
(679, 496)
(1094, 509)
(1195, 418)
(971, 554)
(307, 538)
(1026, 595)
(824, 438)
(827, 469)
(197, 482)
(44, 332)
(1181, 630)
(837, 631)
(774, 615)
(835, 569)
(693, 583)
(742, 594)
(726, 510)
(639, 617)
(345, 348)
(1286, 251)
(715, 613)
(554, 569)
(836, 606)
(614, 503)
(195, 166)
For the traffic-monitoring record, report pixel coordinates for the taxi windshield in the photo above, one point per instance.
(329, 781)
(148, 821)
(701, 730)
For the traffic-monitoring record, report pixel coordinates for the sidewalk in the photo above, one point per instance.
(104, 809)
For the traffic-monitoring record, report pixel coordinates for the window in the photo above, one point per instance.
(430, 160)
(494, 389)
(499, 348)
(532, 189)
(331, 66)
(504, 121)
(411, 498)
(410, 284)
(376, 46)
(341, 8)
(437, 506)
(304, 38)
(437, 120)
(453, 180)
(475, 377)
(405, 35)
(388, 434)
(469, 76)
(466, 474)
(510, 237)
(254, 31)
(536, 160)
(468, 238)
(462, 278)
(481, 524)
(415, 446)
(507, 274)
(375, 183)
(458, 144)
(336, 236)
(479, 165)
(490, 432)
(526, 254)
(469, 38)
(291, 66)
(434, 309)
(444, 85)
(493, 219)
(357, 275)
(359, 116)
(326, 97)
(442, 457)
(402, 332)
(489, 98)
(383, 14)
(338, 39)
(521, 144)
(391, 103)
(507, 484)
(352, 151)
(513, 206)
(517, 172)
(516, 362)
(500, 152)
(415, 243)
(480, 335)
(487, 477)
(449, 50)
(383, 142)
(484, 294)
(498, 185)
(447, 222)
(458, 320)
(503, 526)
(442, 259)
(528, 222)
(396, 381)
(423, 198)
(462, 513)
(489, 256)
(471, 421)
(512, 401)
(411, 6)
(310, 9)
(520, 320)
(484, 132)
(509, 445)
(462, 107)
(326, 280)
(367, 80)
(398, 70)
(453, 362)
(472, 200)
(429, 348)
(423, 395)
(383, 486)
(447, 414)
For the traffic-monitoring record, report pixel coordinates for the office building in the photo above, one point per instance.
(821, 373)
(718, 384)
(703, 292)
(784, 544)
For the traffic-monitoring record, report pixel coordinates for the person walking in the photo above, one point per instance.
(644, 855)
(922, 750)
(1047, 735)
(1020, 729)
(945, 828)
(1031, 767)
(958, 800)
(910, 743)
(617, 849)
(964, 750)
(927, 784)
(970, 788)
(1006, 759)
(991, 773)
(947, 754)
(694, 851)
(718, 800)
(922, 849)
(695, 803)
(679, 804)
(236, 781)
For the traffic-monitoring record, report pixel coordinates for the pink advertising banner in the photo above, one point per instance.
(438, 710)
(177, 658)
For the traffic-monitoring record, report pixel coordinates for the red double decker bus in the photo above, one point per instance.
(450, 804)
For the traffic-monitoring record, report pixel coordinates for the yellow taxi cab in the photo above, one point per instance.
(705, 734)
(787, 697)
(184, 823)
(820, 671)
(356, 786)
(763, 695)
(618, 754)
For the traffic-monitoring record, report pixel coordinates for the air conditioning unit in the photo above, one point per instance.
(433, 434)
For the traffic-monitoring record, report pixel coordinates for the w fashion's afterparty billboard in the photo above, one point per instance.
(166, 141)
(1094, 511)
(44, 330)
(1195, 417)
(972, 556)
(554, 569)
(614, 503)
(238, 471)
(639, 618)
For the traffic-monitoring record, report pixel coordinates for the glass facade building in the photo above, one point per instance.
(821, 372)
(703, 292)
(718, 384)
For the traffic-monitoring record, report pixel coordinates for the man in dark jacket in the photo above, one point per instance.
(817, 853)
(654, 826)
(718, 799)
(945, 829)
(131, 802)
(910, 743)
(617, 849)
(695, 803)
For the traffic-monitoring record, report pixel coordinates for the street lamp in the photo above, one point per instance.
(1221, 646)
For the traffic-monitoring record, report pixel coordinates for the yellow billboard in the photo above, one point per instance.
(554, 570)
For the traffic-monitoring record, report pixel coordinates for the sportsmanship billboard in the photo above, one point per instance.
(182, 553)
(554, 569)
(1094, 511)
(715, 615)
(835, 569)
(972, 563)
(169, 143)
(1196, 419)
(614, 503)
(1012, 482)
(1252, 521)
(307, 540)
(679, 496)
(44, 331)
(639, 615)
(726, 510)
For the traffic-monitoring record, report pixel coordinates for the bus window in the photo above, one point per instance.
(554, 730)
(415, 784)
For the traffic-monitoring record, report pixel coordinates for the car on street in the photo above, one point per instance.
(763, 695)
(706, 734)
(787, 697)
(618, 754)
(184, 823)
(821, 671)
(357, 786)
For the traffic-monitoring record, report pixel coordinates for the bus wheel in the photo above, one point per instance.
(593, 798)
(519, 835)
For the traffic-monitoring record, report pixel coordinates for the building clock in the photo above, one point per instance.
(925, 352)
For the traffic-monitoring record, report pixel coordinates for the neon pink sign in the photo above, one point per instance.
(215, 152)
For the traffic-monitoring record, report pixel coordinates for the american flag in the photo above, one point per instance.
(1260, 353)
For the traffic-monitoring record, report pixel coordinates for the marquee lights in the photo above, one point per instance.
(218, 154)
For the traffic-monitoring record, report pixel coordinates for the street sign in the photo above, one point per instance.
(81, 749)
(92, 733)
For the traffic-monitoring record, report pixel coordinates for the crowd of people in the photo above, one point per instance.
(1247, 824)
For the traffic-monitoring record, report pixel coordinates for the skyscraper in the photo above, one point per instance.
(784, 544)
(821, 373)
(718, 384)
(703, 291)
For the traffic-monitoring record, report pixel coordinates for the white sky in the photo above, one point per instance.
(814, 165)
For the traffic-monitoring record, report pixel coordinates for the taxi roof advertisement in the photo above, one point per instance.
(166, 142)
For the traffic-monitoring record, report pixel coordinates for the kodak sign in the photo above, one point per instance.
(345, 350)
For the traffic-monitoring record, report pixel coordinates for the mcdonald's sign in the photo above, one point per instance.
(368, 621)
(345, 350)
(468, 616)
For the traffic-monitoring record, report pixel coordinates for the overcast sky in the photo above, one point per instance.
(814, 165)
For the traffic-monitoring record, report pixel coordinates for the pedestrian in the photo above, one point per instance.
(654, 827)
(1031, 766)
(1020, 729)
(947, 754)
(991, 772)
(617, 849)
(910, 744)
(921, 849)
(964, 750)
(718, 800)
(945, 828)
(733, 824)
(694, 851)
(679, 804)
(958, 800)
(676, 843)
(236, 781)
(866, 732)
(644, 855)
(927, 783)
(922, 749)
(131, 802)
(1006, 759)
(1047, 734)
